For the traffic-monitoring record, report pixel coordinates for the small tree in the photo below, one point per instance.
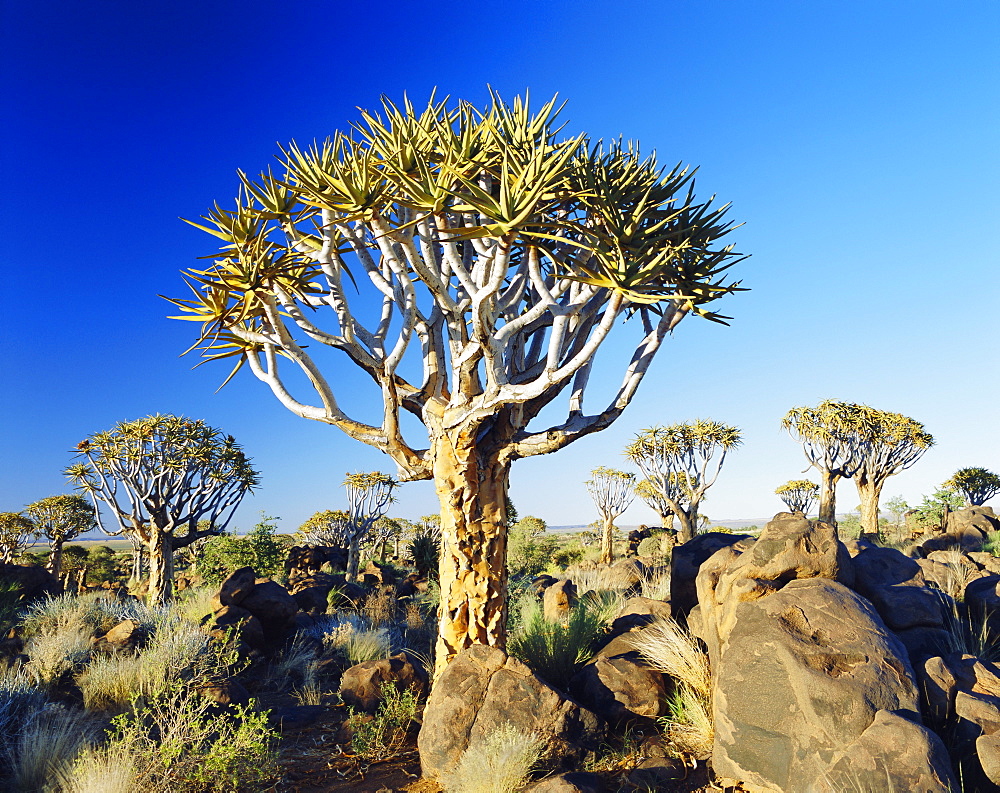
(502, 255)
(932, 511)
(17, 532)
(530, 549)
(368, 496)
(649, 493)
(159, 476)
(977, 485)
(683, 461)
(612, 492)
(798, 495)
(897, 507)
(825, 433)
(61, 519)
(259, 548)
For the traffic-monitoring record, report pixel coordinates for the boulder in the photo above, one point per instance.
(310, 558)
(126, 636)
(239, 624)
(225, 692)
(876, 567)
(637, 613)
(620, 689)
(802, 674)
(978, 520)
(483, 688)
(237, 587)
(361, 685)
(988, 752)
(688, 558)
(542, 582)
(30, 581)
(312, 599)
(940, 678)
(570, 782)
(558, 599)
(789, 548)
(270, 603)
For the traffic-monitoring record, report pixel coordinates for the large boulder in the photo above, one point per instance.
(30, 581)
(361, 685)
(688, 558)
(310, 558)
(482, 689)
(558, 599)
(789, 548)
(637, 612)
(270, 603)
(620, 689)
(808, 677)
(237, 587)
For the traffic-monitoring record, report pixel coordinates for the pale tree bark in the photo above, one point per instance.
(869, 491)
(54, 564)
(828, 496)
(608, 540)
(161, 568)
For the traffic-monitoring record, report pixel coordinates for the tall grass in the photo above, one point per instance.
(552, 649)
(108, 770)
(351, 635)
(47, 744)
(670, 649)
(501, 763)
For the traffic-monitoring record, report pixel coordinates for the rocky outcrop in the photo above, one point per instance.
(30, 581)
(558, 599)
(620, 688)
(482, 689)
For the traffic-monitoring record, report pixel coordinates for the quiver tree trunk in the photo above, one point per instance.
(869, 492)
(353, 557)
(54, 564)
(687, 520)
(473, 567)
(608, 541)
(161, 568)
(828, 497)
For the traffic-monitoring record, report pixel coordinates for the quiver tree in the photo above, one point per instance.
(887, 443)
(977, 485)
(682, 462)
(650, 494)
(826, 435)
(60, 519)
(500, 254)
(159, 476)
(798, 495)
(331, 527)
(612, 492)
(368, 496)
(17, 532)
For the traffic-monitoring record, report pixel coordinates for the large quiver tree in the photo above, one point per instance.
(682, 462)
(159, 477)
(500, 252)
(798, 495)
(60, 519)
(826, 435)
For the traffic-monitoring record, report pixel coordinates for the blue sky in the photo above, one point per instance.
(857, 141)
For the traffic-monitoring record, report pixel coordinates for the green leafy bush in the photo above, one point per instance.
(529, 548)
(259, 549)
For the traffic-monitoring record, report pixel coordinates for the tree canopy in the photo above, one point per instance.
(977, 485)
(612, 491)
(798, 494)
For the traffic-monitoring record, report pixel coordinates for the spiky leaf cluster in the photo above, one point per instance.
(504, 248)
(977, 485)
(330, 527)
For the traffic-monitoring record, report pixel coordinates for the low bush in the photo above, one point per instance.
(380, 736)
(501, 763)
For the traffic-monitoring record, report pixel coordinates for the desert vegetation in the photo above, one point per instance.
(476, 648)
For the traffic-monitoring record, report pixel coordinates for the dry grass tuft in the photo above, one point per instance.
(669, 648)
(46, 747)
(501, 763)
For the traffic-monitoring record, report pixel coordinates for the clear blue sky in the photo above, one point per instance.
(857, 141)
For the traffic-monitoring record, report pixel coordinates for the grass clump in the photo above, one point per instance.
(670, 649)
(552, 649)
(383, 734)
(47, 744)
(501, 763)
(351, 636)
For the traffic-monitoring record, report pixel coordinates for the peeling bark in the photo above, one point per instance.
(828, 496)
(472, 490)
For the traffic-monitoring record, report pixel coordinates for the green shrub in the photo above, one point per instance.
(529, 548)
(259, 549)
(178, 743)
(552, 649)
(424, 552)
(384, 734)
